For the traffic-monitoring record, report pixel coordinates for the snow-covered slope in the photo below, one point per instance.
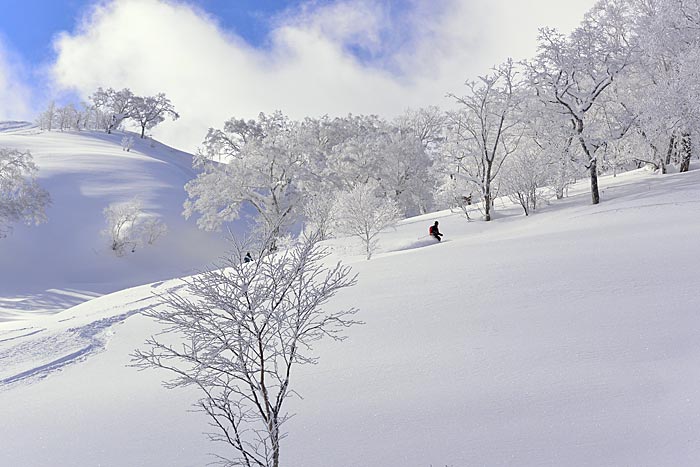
(11, 125)
(65, 261)
(566, 338)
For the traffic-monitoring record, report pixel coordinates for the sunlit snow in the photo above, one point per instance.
(569, 337)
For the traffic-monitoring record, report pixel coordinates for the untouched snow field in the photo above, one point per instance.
(566, 338)
(56, 265)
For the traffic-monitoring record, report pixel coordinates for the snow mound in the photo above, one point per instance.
(61, 263)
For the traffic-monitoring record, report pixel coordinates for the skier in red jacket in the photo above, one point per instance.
(434, 231)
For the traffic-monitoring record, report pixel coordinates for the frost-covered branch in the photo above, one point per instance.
(237, 333)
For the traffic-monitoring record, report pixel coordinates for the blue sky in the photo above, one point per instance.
(45, 17)
(32, 42)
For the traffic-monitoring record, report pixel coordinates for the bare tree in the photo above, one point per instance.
(151, 229)
(244, 327)
(486, 131)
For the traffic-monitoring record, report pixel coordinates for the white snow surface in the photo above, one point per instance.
(65, 261)
(569, 337)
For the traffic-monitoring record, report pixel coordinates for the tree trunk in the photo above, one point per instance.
(143, 131)
(487, 202)
(595, 195)
(671, 146)
(275, 446)
(685, 152)
(368, 245)
(562, 169)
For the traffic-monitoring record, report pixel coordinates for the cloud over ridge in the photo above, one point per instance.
(346, 56)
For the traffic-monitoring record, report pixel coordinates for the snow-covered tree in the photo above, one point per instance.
(525, 176)
(121, 229)
(265, 164)
(278, 165)
(427, 124)
(664, 89)
(113, 107)
(573, 73)
(127, 143)
(244, 328)
(318, 214)
(68, 117)
(405, 172)
(354, 149)
(364, 212)
(48, 117)
(455, 192)
(65, 116)
(151, 229)
(149, 111)
(80, 118)
(21, 197)
(486, 130)
(129, 226)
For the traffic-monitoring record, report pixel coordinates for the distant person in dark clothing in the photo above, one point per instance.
(435, 232)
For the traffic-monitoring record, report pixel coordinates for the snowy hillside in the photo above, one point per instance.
(566, 338)
(67, 260)
(14, 125)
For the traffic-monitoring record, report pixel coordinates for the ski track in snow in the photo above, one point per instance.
(56, 351)
(419, 243)
(23, 335)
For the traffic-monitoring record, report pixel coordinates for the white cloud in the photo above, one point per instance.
(358, 22)
(410, 57)
(15, 96)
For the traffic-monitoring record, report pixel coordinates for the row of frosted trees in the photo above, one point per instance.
(619, 92)
(107, 110)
